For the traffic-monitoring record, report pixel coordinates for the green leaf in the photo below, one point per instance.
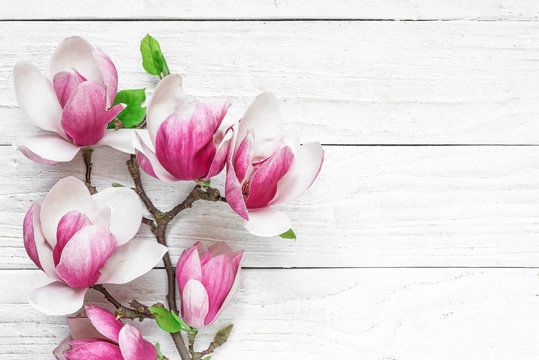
(204, 183)
(183, 324)
(134, 113)
(117, 185)
(159, 354)
(207, 358)
(288, 235)
(165, 319)
(153, 60)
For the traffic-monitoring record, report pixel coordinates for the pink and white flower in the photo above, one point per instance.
(267, 166)
(101, 336)
(79, 240)
(207, 279)
(75, 106)
(183, 140)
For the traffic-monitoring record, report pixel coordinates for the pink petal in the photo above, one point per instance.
(243, 157)
(96, 350)
(131, 260)
(267, 221)
(28, 236)
(42, 248)
(82, 342)
(109, 75)
(219, 109)
(184, 143)
(85, 115)
(120, 139)
(69, 224)
(263, 119)
(219, 160)
(67, 194)
(167, 97)
(302, 173)
(133, 345)
(84, 255)
(57, 298)
(188, 267)
(37, 98)
(217, 278)
(194, 303)
(61, 348)
(235, 286)
(264, 182)
(65, 83)
(80, 327)
(221, 247)
(125, 211)
(233, 192)
(75, 53)
(47, 149)
(105, 322)
(148, 160)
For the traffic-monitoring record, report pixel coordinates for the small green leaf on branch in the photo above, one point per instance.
(159, 354)
(204, 183)
(288, 235)
(165, 320)
(153, 60)
(117, 185)
(168, 320)
(134, 113)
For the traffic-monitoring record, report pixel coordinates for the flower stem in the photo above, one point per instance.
(87, 157)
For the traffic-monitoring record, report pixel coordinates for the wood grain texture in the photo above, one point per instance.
(339, 82)
(274, 9)
(408, 314)
(371, 206)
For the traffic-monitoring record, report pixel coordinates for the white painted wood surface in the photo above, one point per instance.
(404, 252)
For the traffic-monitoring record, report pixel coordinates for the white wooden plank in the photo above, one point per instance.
(273, 9)
(408, 314)
(339, 82)
(372, 206)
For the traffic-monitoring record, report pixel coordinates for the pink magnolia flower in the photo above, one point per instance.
(207, 279)
(267, 166)
(75, 105)
(183, 140)
(101, 336)
(79, 240)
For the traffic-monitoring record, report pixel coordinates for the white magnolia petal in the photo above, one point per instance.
(125, 211)
(47, 148)
(263, 118)
(168, 96)
(120, 139)
(131, 260)
(37, 97)
(267, 221)
(75, 53)
(57, 298)
(67, 194)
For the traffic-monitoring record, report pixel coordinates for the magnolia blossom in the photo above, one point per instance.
(76, 105)
(183, 140)
(207, 279)
(101, 336)
(267, 166)
(79, 240)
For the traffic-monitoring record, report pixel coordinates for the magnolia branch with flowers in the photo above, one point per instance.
(83, 237)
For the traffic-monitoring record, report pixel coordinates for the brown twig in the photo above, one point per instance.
(87, 157)
(198, 193)
(133, 168)
(159, 229)
(123, 311)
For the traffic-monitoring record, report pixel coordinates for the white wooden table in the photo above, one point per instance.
(421, 238)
